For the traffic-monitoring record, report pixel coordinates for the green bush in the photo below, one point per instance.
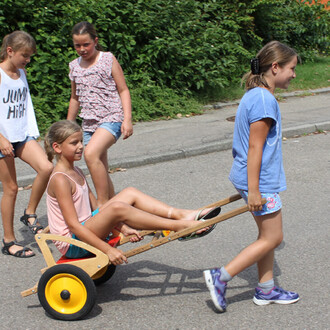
(172, 52)
(302, 26)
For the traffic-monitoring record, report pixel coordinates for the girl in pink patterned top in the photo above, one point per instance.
(99, 91)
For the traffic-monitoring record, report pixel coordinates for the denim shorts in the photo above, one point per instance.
(75, 252)
(17, 145)
(113, 127)
(272, 205)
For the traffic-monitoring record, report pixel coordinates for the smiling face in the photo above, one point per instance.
(71, 148)
(285, 73)
(85, 46)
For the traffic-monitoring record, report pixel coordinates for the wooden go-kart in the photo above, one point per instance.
(66, 288)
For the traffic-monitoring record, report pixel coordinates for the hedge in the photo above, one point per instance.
(170, 51)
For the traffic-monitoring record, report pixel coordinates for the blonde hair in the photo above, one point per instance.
(59, 132)
(17, 40)
(272, 52)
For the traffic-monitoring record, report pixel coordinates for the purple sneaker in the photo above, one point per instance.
(275, 296)
(217, 288)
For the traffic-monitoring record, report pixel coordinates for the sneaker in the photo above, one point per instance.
(275, 296)
(217, 288)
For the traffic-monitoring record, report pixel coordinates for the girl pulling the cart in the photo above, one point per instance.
(257, 172)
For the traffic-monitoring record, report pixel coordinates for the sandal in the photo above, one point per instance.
(209, 215)
(20, 253)
(33, 227)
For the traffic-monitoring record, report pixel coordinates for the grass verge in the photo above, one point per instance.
(310, 75)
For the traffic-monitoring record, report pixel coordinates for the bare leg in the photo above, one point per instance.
(262, 250)
(266, 263)
(116, 211)
(32, 153)
(97, 162)
(10, 189)
(140, 200)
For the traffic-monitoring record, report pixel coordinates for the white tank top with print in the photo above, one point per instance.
(17, 117)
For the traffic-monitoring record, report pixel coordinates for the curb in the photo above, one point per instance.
(215, 146)
(220, 105)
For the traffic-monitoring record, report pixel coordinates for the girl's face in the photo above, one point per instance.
(19, 58)
(72, 147)
(286, 73)
(85, 45)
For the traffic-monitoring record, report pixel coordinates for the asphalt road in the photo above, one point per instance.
(164, 288)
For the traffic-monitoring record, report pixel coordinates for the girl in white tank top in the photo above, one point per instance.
(18, 131)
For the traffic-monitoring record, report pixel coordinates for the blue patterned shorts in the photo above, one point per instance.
(272, 205)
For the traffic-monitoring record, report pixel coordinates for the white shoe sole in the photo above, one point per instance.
(261, 302)
(210, 286)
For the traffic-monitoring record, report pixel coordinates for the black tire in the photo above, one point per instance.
(66, 292)
(105, 275)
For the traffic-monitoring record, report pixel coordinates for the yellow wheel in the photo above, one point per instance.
(104, 274)
(66, 292)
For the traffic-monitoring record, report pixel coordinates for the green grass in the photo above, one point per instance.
(310, 75)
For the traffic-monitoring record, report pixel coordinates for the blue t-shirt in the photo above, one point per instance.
(256, 104)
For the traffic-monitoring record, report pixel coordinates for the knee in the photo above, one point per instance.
(118, 209)
(46, 169)
(271, 241)
(130, 191)
(10, 189)
(276, 240)
(89, 155)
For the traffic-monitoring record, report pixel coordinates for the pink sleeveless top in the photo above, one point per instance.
(56, 222)
(97, 92)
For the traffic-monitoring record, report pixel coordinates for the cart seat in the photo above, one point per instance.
(113, 242)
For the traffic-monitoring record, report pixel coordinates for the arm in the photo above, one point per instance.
(258, 134)
(62, 189)
(118, 76)
(6, 148)
(74, 103)
(92, 199)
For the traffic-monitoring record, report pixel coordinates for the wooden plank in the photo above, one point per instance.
(175, 235)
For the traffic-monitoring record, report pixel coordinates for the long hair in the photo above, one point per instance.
(59, 132)
(17, 40)
(86, 28)
(273, 51)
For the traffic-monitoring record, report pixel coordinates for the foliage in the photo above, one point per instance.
(170, 51)
(303, 26)
(155, 102)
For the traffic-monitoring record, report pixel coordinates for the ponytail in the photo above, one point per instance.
(272, 52)
(59, 132)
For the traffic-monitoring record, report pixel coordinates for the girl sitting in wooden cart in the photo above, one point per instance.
(70, 203)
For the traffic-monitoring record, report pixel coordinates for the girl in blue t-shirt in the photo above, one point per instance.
(257, 172)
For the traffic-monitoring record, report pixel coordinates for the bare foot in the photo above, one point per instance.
(197, 213)
(192, 224)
